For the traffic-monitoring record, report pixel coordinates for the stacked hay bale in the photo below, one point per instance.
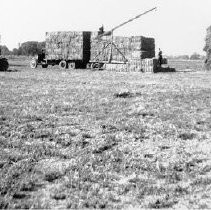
(149, 64)
(207, 49)
(144, 65)
(68, 45)
(99, 49)
(141, 47)
(135, 49)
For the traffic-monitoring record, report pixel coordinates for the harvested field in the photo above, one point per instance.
(187, 65)
(101, 139)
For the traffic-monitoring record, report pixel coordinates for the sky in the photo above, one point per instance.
(178, 26)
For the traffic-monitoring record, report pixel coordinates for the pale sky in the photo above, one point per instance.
(178, 26)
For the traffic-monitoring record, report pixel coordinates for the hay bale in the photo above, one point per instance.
(149, 65)
(144, 65)
(133, 48)
(68, 45)
(97, 46)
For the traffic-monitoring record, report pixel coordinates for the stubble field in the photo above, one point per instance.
(100, 139)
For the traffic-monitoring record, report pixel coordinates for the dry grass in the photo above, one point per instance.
(187, 65)
(83, 139)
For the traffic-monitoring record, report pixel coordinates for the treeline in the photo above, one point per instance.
(194, 56)
(29, 48)
(32, 48)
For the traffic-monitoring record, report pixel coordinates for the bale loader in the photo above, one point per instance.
(111, 45)
(72, 49)
(132, 61)
(92, 50)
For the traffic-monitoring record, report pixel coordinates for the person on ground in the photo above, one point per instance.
(160, 57)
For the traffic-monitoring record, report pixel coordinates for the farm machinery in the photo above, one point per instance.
(74, 49)
(144, 59)
(70, 49)
(4, 65)
(39, 60)
(98, 50)
(111, 45)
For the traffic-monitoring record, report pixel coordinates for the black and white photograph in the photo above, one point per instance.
(105, 104)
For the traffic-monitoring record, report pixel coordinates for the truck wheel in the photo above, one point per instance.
(92, 66)
(88, 65)
(33, 63)
(71, 65)
(44, 66)
(63, 65)
(97, 66)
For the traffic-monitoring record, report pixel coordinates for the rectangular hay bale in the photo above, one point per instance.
(68, 45)
(145, 65)
(133, 48)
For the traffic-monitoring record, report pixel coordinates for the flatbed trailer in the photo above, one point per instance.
(68, 49)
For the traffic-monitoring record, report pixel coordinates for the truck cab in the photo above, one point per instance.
(40, 59)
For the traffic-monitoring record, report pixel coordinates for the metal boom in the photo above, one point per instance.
(132, 19)
(126, 22)
(110, 33)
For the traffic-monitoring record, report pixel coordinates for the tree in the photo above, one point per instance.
(29, 48)
(179, 57)
(195, 56)
(4, 50)
(184, 57)
(16, 51)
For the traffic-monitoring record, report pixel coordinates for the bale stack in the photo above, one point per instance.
(99, 51)
(141, 47)
(207, 49)
(68, 45)
(149, 64)
(134, 48)
(145, 65)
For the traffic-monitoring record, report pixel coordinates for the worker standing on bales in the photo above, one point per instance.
(101, 30)
(160, 57)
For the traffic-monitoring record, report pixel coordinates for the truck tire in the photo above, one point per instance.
(97, 66)
(44, 66)
(92, 66)
(88, 65)
(33, 63)
(63, 65)
(71, 65)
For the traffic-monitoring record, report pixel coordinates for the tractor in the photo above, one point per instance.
(4, 65)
